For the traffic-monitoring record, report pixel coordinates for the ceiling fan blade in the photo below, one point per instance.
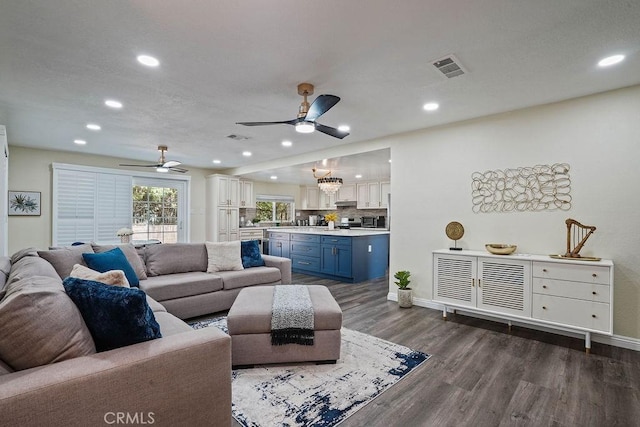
(285, 122)
(181, 170)
(142, 166)
(331, 131)
(171, 164)
(321, 105)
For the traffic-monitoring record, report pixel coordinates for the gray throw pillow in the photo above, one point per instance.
(65, 258)
(40, 324)
(131, 253)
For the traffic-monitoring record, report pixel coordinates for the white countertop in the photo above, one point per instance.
(353, 232)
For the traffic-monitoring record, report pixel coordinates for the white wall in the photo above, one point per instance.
(598, 136)
(30, 170)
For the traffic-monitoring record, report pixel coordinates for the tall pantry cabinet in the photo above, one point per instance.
(222, 208)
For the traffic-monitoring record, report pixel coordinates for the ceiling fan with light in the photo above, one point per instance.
(308, 114)
(163, 165)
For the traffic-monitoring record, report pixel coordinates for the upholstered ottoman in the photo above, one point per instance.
(249, 323)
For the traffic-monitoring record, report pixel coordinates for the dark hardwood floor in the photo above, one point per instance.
(482, 375)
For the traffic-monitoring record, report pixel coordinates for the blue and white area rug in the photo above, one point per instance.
(319, 395)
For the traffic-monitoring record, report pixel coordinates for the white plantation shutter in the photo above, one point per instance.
(114, 206)
(74, 195)
(89, 206)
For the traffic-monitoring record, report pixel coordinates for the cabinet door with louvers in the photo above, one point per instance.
(504, 286)
(454, 279)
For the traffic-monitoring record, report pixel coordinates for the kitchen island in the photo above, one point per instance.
(346, 255)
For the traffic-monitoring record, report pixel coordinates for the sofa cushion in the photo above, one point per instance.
(39, 324)
(132, 256)
(111, 277)
(5, 369)
(155, 305)
(116, 316)
(170, 324)
(5, 269)
(63, 259)
(169, 258)
(113, 259)
(223, 256)
(179, 285)
(250, 277)
(31, 266)
(250, 254)
(17, 256)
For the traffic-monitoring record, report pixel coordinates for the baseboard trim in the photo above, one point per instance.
(621, 341)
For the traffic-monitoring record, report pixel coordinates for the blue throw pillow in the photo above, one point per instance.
(112, 260)
(250, 253)
(116, 316)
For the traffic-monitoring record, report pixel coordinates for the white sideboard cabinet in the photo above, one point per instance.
(570, 295)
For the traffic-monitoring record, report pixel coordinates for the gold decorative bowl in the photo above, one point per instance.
(501, 248)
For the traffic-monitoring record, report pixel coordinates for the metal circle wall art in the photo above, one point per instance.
(536, 188)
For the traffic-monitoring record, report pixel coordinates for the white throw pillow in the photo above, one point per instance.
(223, 256)
(111, 277)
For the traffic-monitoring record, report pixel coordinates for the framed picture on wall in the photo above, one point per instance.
(24, 203)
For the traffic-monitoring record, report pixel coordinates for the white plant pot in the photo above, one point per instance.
(332, 225)
(405, 299)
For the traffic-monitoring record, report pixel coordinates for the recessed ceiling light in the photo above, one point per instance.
(112, 103)
(358, 176)
(80, 141)
(273, 177)
(287, 143)
(344, 128)
(217, 162)
(389, 160)
(147, 60)
(611, 60)
(431, 106)
(93, 126)
(246, 153)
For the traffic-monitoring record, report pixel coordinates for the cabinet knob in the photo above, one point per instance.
(594, 275)
(594, 293)
(593, 315)
(544, 286)
(544, 307)
(544, 270)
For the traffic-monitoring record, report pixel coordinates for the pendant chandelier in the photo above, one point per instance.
(327, 183)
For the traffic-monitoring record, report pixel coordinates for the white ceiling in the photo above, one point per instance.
(223, 62)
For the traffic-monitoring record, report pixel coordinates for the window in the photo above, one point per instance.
(157, 210)
(91, 204)
(274, 208)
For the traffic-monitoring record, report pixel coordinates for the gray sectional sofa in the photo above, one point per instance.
(51, 375)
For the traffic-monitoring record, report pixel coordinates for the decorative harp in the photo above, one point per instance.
(577, 235)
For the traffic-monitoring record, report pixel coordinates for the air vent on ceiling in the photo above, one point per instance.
(237, 137)
(449, 66)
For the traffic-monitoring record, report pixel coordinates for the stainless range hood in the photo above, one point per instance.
(346, 203)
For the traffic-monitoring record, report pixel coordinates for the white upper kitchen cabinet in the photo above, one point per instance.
(346, 193)
(369, 195)
(247, 200)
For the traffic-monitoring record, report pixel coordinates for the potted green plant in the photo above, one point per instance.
(404, 291)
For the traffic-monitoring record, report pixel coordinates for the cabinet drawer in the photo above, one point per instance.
(573, 312)
(307, 249)
(302, 262)
(572, 272)
(576, 290)
(331, 240)
(311, 238)
(251, 234)
(275, 235)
